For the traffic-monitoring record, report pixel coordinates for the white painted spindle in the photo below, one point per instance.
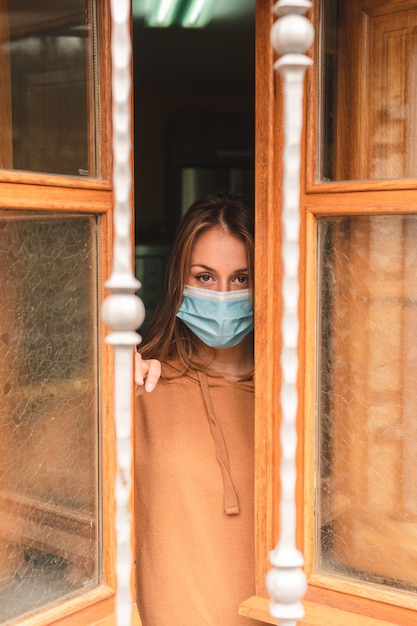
(122, 311)
(291, 36)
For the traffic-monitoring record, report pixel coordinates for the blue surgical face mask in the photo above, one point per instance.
(221, 319)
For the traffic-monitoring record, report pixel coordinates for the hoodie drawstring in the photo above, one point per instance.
(231, 504)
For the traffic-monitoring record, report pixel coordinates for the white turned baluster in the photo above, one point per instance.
(122, 311)
(291, 36)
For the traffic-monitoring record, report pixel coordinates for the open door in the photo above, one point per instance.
(57, 465)
(356, 522)
(367, 315)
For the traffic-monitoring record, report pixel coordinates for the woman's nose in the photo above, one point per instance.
(223, 284)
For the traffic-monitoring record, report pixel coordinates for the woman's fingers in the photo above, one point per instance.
(153, 374)
(147, 374)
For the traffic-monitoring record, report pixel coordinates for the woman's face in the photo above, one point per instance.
(218, 262)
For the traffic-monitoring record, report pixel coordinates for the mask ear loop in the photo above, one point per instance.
(231, 504)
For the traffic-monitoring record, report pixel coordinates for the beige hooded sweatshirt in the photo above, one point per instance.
(194, 460)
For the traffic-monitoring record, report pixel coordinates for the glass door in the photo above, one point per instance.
(57, 531)
(364, 225)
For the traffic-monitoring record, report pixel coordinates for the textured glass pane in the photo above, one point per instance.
(367, 485)
(47, 99)
(368, 119)
(48, 409)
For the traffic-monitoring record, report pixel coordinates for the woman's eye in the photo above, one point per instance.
(204, 278)
(242, 279)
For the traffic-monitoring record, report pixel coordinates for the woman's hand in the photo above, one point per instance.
(147, 374)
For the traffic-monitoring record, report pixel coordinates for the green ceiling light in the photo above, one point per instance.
(186, 13)
(198, 13)
(162, 13)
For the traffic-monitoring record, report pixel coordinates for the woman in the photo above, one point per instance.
(194, 434)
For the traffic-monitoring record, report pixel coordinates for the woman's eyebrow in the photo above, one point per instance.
(211, 269)
(205, 267)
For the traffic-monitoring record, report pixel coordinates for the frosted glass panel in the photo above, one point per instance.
(368, 118)
(367, 485)
(47, 95)
(48, 409)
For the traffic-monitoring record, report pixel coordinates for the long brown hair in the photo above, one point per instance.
(167, 337)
